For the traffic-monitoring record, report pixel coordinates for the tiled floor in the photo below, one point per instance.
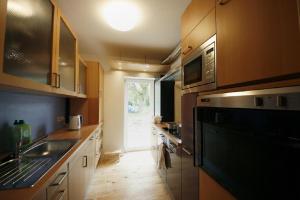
(132, 177)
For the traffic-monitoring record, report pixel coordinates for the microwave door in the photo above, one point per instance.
(192, 75)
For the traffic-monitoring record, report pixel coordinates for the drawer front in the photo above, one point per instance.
(58, 185)
(61, 195)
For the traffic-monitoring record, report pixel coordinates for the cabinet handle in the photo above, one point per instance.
(222, 2)
(58, 80)
(61, 195)
(188, 50)
(53, 79)
(186, 151)
(85, 163)
(60, 178)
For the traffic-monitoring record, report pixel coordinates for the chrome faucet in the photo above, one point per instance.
(19, 145)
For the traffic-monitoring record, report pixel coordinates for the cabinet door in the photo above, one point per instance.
(91, 152)
(82, 77)
(28, 39)
(202, 32)
(67, 57)
(154, 147)
(193, 14)
(257, 40)
(77, 178)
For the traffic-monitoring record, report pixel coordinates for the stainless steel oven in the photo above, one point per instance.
(249, 142)
(199, 68)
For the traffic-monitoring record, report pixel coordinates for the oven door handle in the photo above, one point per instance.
(186, 151)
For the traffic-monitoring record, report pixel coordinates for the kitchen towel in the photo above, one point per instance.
(161, 163)
(168, 159)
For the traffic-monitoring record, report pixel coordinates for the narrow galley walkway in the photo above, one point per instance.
(133, 176)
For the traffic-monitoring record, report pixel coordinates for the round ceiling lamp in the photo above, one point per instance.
(121, 15)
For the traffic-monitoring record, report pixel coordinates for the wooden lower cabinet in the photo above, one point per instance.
(58, 186)
(77, 176)
(257, 40)
(91, 155)
(154, 146)
(98, 145)
(41, 195)
(209, 189)
(81, 170)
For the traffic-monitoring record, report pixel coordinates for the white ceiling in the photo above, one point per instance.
(154, 37)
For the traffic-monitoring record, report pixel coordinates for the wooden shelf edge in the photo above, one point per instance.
(84, 96)
(13, 83)
(21, 84)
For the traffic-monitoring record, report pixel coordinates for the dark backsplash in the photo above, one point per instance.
(40, 112)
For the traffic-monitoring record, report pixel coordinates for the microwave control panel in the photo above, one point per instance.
(209, 63)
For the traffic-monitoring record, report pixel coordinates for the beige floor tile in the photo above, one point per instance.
(131, 176)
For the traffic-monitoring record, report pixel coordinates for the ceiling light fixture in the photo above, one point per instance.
(63, 63)
(121, 15)
(22, 9)
(146, 65)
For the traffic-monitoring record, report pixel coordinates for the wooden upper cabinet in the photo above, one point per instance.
(38, 50)
(67, 56)
(194, 13)
(27, 40)
(101, 78)
(257, 40)
(201, 33)
(82, 76)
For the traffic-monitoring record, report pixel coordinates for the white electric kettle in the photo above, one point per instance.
(75, 122)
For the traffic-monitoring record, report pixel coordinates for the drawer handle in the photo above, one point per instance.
(61, 195)
(60, 178)
(188, 50)
(186, 151)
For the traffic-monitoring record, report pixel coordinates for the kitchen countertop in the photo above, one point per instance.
(28, 193)
(171, 137)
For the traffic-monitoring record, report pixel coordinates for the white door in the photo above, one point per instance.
(139, 111)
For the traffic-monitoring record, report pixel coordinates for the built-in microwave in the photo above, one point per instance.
(199, 68)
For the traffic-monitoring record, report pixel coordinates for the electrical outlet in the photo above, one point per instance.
(60, 119)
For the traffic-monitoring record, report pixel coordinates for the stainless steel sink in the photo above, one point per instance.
(49, 148)
(33, 164)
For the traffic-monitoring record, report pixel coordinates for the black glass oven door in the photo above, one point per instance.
(253, 153)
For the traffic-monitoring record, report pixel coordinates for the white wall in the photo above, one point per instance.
(114, 83)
